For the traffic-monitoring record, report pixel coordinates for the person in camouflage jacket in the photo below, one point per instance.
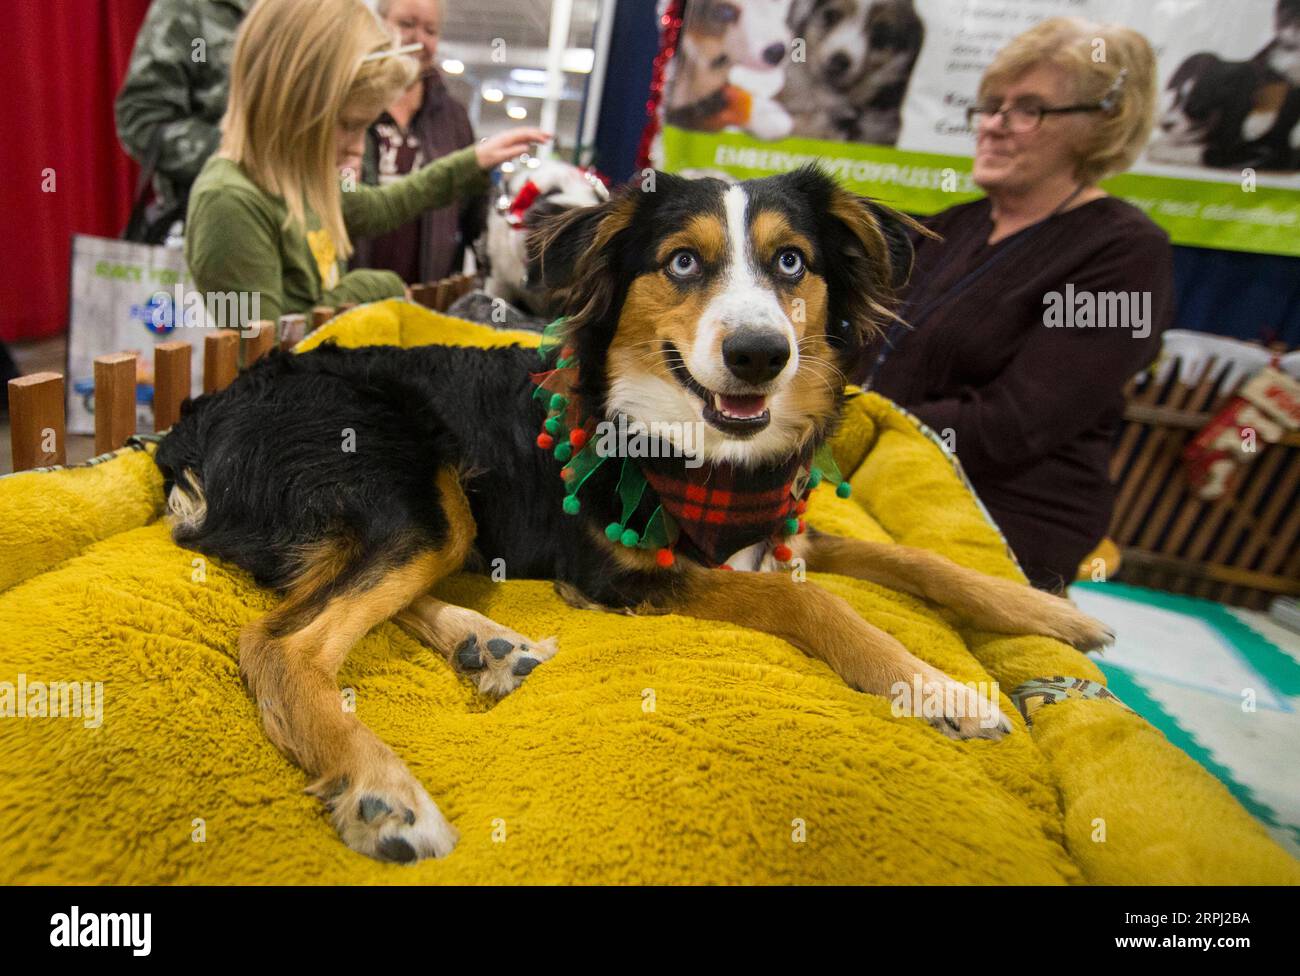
(174, 95)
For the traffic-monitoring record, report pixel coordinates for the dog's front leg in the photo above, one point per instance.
(986, 602)
(824, 626)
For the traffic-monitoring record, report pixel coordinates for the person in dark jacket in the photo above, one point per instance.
(422, 124)
(173, 96)
(1041, 301)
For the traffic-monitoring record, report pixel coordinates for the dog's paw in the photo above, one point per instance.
(383, 812)
(956, 710)
(499, 661)
(1058, 617)
(1008, 607)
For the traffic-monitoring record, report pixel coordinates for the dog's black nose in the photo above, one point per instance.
(755, 356)
(837, 64)
(773, 53)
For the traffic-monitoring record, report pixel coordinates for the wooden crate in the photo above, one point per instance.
(1241, 549)
(37, 431)
(439, 295)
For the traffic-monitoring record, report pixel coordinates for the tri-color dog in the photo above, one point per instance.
(352, 481)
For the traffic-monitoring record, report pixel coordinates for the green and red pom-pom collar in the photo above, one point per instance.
(712, 511)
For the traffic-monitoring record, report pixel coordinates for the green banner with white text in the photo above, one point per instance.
(881, 104)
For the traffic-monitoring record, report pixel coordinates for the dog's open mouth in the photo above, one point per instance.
(738, 415)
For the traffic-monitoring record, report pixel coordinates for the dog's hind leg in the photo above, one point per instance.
(290, 659)
(494, 657)
(986, 602)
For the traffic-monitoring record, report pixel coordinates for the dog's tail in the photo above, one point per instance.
(179, 458)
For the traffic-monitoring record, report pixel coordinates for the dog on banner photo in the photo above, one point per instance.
(859, 58)
(1232, 114)
(729, 311)
(731, 60)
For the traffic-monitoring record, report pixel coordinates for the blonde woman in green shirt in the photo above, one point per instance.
(272, 214)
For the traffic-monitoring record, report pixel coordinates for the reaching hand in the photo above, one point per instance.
(495, 150)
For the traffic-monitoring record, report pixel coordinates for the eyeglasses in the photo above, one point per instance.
(1023, 117)
(1028, 116)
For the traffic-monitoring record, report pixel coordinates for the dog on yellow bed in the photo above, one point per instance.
(656, 459)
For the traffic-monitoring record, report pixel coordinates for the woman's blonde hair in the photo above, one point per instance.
(298, 70)
(1099, 60)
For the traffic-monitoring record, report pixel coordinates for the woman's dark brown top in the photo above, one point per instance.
(1030, 406)
(432, 246)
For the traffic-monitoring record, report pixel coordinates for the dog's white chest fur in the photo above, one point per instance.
(757, 558)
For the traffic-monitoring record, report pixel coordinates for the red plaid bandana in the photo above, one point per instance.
(721, 509)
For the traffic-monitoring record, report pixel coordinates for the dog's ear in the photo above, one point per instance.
(801, 12)
(535, 217)
(867, 256)
(574, 252)
(898, 229)
(875, 254)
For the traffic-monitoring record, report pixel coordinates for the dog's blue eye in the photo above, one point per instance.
(790, 263)
(683, 264)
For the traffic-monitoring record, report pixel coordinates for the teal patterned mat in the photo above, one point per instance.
(1221, 684)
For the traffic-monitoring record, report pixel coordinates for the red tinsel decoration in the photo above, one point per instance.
(670, 26)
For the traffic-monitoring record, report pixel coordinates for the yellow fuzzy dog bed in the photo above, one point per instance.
(657, 749)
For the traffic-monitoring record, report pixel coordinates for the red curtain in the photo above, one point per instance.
(60, 70)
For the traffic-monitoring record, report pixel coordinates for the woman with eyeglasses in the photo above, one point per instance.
(1037, 303)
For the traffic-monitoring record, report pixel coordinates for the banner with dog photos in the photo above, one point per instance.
(877, 90)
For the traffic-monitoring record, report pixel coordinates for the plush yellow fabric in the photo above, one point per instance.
(398, 323)
(45, 520)
(655, 749)
(1141, 811)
